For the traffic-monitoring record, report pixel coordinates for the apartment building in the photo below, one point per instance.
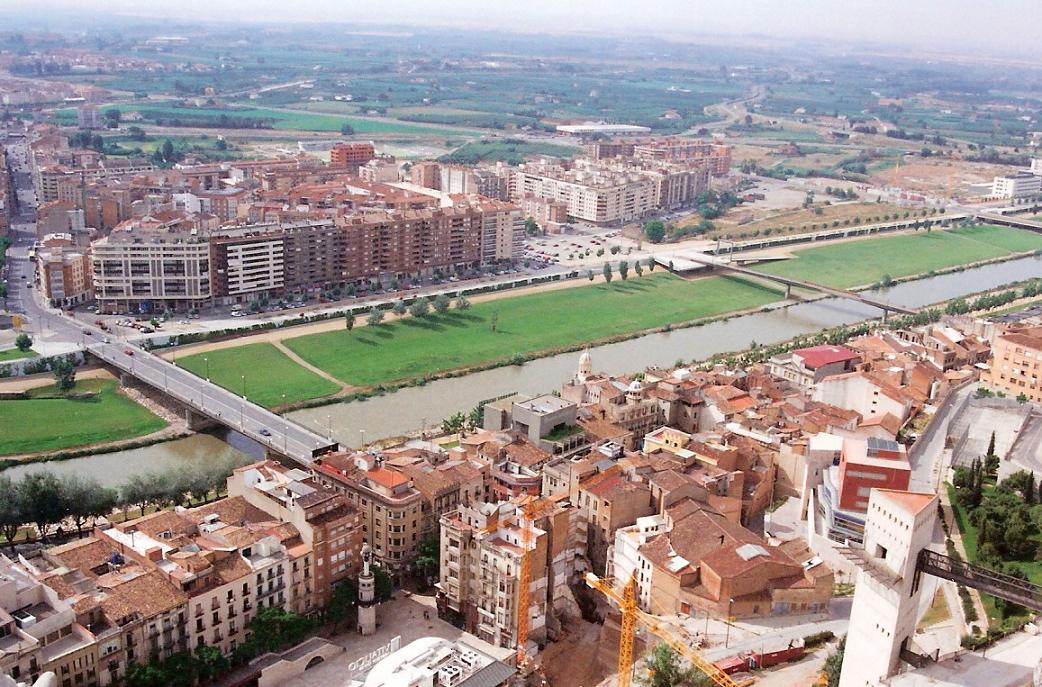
(390, 505)
(691, 559)
(247, 267)
(805, 367)
(39, 632)
(136, 615)
(593, 192)
(330, 526)
(65, 275)
(482, 546)
(142, 270)
(351, 155)
(396, 245)
(228, 571)
(715, 157)
(1016, 362)
(502, 231)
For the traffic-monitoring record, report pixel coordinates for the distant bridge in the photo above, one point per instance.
(1008, 221)
(715, 262)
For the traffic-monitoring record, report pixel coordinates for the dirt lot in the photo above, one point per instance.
(937, 176)
(745, 223)
(573, 660)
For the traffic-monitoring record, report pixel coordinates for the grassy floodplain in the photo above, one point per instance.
(50, 421)
(525, 324)
(865, 261)
(269, 374)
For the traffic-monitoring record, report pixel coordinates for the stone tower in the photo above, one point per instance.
(585, 367)
(899, 525)
(367, 594)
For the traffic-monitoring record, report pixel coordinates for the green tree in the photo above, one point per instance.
(493, 321)
(651, 264)
(421, 307)
(346, 129)
(442, 303)
(64, 370)
(349, 320)
(384, 584)
(274, 628)
(655, 231)
(624, 269)
(399, 308)
(638, 268)
(531, 226)
(375, 317)
(607, 272)
(834, 664)
(12, 514)
(474, 417)
(462, 303)
(589, 274)
(454, 423)
(667, 669)
(428, 559)
(43, 500)
(211, 663)
(23, 342)
(87, 500)
(342, 604)
(137, 133)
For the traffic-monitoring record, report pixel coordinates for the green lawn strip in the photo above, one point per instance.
(1014, 308)
(15, 354)
(865, 261)
(48, 421)
(269, 373)
(526, 324)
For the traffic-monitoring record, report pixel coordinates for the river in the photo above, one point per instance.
(410, 408)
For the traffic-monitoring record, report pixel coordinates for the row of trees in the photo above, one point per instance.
(45, 501)
(421, 307)
(624, 269)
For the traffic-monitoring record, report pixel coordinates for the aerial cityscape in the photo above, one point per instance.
(524, 344)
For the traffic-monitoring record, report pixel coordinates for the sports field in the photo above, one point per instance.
(526, 324)
(861, 262)
(49, 421)
(271, 378)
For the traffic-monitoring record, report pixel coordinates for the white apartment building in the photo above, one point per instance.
(625, 559)
(502, 232)
(254, 266)
(592, 193)
(1019, 185)
(147, 271)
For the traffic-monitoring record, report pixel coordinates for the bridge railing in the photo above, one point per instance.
(982, 579)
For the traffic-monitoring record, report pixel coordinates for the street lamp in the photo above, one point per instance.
(329, 426)
(242, 404)
(285, 428)
(207, 361)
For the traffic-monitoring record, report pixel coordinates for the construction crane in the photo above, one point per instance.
(632, 615)
(530, 510)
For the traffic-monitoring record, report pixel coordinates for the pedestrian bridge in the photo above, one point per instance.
(725, 263)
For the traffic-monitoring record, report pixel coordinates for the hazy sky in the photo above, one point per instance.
(1013, 25)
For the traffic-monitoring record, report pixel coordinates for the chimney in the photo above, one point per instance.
(154, 554)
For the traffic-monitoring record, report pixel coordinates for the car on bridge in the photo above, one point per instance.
(265, 432)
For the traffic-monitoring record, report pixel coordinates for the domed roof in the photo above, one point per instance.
(635, 387)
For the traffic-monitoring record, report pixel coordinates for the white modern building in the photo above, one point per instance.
(886, 597)
(625, 559)
(1018, 185)
(437, 662)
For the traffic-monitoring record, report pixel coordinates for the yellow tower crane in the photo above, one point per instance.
(632, 615)
(531, 510)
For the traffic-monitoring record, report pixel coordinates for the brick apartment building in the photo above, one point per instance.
(351, 155)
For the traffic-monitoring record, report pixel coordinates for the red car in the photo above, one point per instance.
(129, 352)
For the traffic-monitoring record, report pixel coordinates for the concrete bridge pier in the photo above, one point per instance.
(788, 291)
(198, 422)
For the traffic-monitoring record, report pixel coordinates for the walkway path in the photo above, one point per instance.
(344, 388)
